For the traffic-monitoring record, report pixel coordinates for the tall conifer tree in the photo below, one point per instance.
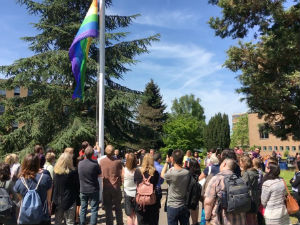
(151, 116)
(217, 132)
(49, 116)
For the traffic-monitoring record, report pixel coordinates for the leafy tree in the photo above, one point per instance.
(269, 65)
(49, 116)
(151, 117)
(188, 105)
(185, 127)
(184, 132)
(217, 132)
(240, 135)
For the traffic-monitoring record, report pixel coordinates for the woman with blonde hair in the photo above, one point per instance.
(65, 189)
(13, 161)
(130, 188)
(50, 161)
(69, 150)
(187, 158)
(149, 214)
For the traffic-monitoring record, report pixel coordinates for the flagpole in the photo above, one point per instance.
(101, 75)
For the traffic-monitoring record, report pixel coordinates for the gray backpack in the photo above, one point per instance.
(236, 197)
(6, 204)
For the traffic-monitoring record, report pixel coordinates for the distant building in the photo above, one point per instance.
(14, 93)
(235, 118)
(258, 136)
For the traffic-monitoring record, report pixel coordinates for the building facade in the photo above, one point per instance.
(15, 93)
(260, 137)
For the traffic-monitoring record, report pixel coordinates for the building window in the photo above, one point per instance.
(275, 148)
(265, 148)
(30, 92)
(2, 109)
(2, 92)
(270, 148)
(263, 135)
(287, 148)
(281, 148)
(15, 125)
(17, 91)
(294, 148)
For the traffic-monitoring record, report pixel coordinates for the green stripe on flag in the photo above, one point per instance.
(91, 18)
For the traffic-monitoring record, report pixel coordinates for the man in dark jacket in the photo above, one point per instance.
(89, 171)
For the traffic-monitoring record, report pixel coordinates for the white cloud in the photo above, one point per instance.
(185, 69)
(184, 65)
(169, 19)
(165, 19)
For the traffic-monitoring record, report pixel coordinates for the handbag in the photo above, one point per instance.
(290, 202)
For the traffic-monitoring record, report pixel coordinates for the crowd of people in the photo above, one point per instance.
(235, 187)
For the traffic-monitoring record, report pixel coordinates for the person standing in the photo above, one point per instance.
(273, 196)
(177, 179)
(39, 150)
(84, 145)
(31, 178)
(89, 171)
(196, 156)
(213, 169)
(250, 176)
(50, 161)
(65, 189)
(130, 189)
(7, 184)
(152, 152)
(195, 172)
(13, 161)
(158, 167)
(187, 158)
(117, 154)
(112, 180)
(214, 214)
(141, 153)
(149, 214)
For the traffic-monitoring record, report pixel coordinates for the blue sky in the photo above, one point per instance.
(188, 59)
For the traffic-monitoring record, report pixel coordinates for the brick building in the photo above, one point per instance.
(258, 136)
(16, 92)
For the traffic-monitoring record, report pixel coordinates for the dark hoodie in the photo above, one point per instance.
(250, 177)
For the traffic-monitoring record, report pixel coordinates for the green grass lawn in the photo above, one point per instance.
(287, 175)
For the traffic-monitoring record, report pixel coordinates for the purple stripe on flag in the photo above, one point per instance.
(90, 33)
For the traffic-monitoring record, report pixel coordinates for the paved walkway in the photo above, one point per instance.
(162, 215)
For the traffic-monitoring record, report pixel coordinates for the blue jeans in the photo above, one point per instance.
(181, 214)
(84, 199)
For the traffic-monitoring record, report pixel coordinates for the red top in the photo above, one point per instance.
(94, 156)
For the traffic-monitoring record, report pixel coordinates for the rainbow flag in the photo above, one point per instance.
(79, 49)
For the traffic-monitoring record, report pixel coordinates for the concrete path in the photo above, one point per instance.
(162, 215)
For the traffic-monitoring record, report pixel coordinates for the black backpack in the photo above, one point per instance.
(6, 204)
(236, 197)
(193, 194)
